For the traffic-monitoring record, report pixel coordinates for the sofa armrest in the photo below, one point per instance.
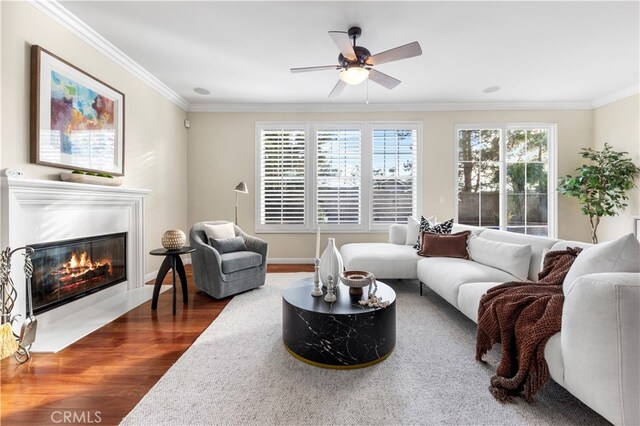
(600, 342)
(256, 245)
(398, 234)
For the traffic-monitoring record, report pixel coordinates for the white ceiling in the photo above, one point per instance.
(242, 51)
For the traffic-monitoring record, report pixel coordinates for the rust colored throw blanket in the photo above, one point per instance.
(522, 316)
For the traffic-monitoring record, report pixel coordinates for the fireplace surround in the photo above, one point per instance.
(37, 212)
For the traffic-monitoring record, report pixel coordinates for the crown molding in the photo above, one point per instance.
(616, 96)
(73, 24)
(404, 107)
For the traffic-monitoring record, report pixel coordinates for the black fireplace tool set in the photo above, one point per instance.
(11, 343)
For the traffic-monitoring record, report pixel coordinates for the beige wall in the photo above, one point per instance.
(221, 152)
(155, 139)
(618, 124)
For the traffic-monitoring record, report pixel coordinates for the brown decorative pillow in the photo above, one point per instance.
(444, 245)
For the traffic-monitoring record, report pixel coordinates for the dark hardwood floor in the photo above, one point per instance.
(100, 378)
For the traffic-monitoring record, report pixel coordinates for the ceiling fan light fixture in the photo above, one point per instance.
(354, 75)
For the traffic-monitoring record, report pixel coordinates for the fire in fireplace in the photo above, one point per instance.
(64, 271)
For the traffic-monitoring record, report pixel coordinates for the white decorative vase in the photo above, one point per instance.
(330, 263)
(173, 239)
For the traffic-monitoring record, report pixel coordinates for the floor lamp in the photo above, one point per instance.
(241, 187)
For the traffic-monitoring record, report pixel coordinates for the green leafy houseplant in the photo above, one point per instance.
(601, 187)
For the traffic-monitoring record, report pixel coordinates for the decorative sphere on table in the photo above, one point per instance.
(173, 239)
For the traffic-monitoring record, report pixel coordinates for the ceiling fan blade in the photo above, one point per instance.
(342, 40)
(383, 79)
(402, 52)
(320, 68)
(337, 89)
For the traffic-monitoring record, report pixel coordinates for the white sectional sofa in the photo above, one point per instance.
(596, 356)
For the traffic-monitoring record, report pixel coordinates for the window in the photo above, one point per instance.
(339, 176)
(506, 178)
(345, 177)
(394, 176)
(282, 177)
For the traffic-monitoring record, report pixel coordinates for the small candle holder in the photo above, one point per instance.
(317, 287)
(331, 296)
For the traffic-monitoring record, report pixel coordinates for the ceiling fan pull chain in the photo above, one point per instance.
(367, 91)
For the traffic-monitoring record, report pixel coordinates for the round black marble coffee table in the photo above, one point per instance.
(342, 334)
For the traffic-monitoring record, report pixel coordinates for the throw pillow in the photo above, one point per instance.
(619, 255)
(444, 245)
(228, 245)
(413, 229)
(544, 254)
(511, 258)
(220, 232)
(437, 228)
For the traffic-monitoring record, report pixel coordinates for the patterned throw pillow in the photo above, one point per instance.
(437, 228)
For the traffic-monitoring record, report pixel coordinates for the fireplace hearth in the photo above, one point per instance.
(67, 270)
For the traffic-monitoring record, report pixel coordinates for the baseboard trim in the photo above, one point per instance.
(291, 260)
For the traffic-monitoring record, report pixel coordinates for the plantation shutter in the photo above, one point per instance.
(282, 176)
(339, 176)
(394, 181)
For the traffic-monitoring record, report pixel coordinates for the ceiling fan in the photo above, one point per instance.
(356, 62)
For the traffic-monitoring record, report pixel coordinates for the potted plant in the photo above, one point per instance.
(601, 187)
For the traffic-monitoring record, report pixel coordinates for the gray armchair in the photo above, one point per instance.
(221, 275)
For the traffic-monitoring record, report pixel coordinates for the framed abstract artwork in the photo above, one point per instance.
(77, 121)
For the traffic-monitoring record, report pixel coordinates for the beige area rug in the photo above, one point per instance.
(239, 373)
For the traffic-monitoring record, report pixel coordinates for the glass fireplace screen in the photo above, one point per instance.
(64, 271)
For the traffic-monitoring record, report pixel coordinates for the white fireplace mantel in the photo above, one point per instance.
(41, 211)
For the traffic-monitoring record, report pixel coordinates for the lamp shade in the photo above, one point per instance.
(354, 75)
(242, 187)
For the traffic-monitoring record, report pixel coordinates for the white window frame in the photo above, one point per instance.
(258, 179)
(552, 195)
(366, 152)
(395, 125)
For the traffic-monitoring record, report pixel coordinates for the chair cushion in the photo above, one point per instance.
(228, 245)
(445, 275)
(219, 231)
(239, 260)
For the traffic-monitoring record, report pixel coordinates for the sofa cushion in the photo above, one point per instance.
(444, 245)
(537, 245)
(437, 228)
(553, 356)
(239, 260)
(413, 229)
(619, 255)
(563, 245)
(383, 260)
(228, 245)
(508, 257)
(469, 297)
(475, 230)
(445, 275)
(398, 234)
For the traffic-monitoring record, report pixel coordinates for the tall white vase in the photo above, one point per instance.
(330, 263)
